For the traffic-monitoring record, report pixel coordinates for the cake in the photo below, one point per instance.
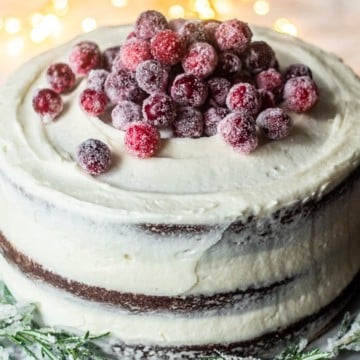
(196, 250)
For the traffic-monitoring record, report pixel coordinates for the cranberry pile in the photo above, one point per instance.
(198, 78)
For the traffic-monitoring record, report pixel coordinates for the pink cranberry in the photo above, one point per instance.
(301, 94)
(48, 104)
(193, 31)
(131, 36)
(188, 123)
(267, 99)
(168, 47)
(239, 131)
(152, 76)
(270, 80)
(133, 52)
(159, 110)
(142, 140)
(60, 77)
(296, 70)
(125, 113)
(84, 57)
(200, 60)
(218, 89)
(233, 35)
(190, 90)
(212, 118)
(93, 156)
(244, 97)
(149, 23)
(210, 29)
(93, 102)
(259, 57)
(108, 57)
(96, 79)
(229, 64)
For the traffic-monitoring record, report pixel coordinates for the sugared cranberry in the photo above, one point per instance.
(84, 57)
(301, 93)
(159, 110)
(229, 64)
(93, 156)
(108, 57)
(275, 123)
(117, 64)
(188, 89)
(168, 47)
(60, 77)
(133, 52)
(201, 59)
(152, 76)
(210, 29)
(142, 140)
(96, 79)
(233, 35)
(239, 131)
(244, 97)
(270, 80)
(296, 70)
(131, 36)
(218, 89)
(188, 122)
(93, 102)
(48, 104)
(212, 118)
(176, 24)
(149, 23)
(193, 31)
(267, 99)
(125, 113)
(259, 56)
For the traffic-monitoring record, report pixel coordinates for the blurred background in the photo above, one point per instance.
(32, 26)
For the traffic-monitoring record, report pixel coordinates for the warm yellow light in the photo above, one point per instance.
(39, 33)
(207, 13)
(53, 24)
(1, 22)
(222, 6)
(119, 3)
(261, 7)
(60, 4)
(88, 24)
(285, 26)
(176, 11)
(15, 46)
(12, 25)
(36, 19)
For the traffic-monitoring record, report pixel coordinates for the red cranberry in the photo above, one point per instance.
(301, 94)
(296, 70)
(167, 47)
(60, 77)
(267, 99)
(108, 57)
(117, 64)
(93, 156)
(133, 52)
(48, 104)
(131, 36)
(245, 98)
(210, 29)
(93, 102)
(200, 60)
(188, 89)
(238, 130)
(149, 23)
(218, 89)
(142, 140)
(193, 31)
(259, 56)
(84, 57)
(125, 113)
(188, 122)
(96, 79)
(275, 123)
(212, 118)
(152, 76)
(159, 110)
(176, 24)
(233, 35)
(270, 80)
(229, 64)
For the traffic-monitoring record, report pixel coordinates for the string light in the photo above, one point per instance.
(60, 5)
(119, 3)
(204, 9)
(15, 46)
(285, 26)
(12, 25)
(176, 11)
(261, 7)
(88, 24)
(36, 19)
(222, 7)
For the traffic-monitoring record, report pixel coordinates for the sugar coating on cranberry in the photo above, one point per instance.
(93, 156)
(168, 47)
(159, 110)
(229, 64)
(200, 60)
(96, 79)
(267, 99)
(301, 93)
(190, 90)
(275, 123)
(244, 97)
(238, 130)
(234, 35)
(212, 118)
(176, 24)
(210, 29)
(131, 36)
(108, 57)
(218, 89)
(296, 70)
(270, 80)
(84, 57)
(93, 102)
(60, 77)
(193, 31)
(117, 64)
(149, 23)
(125, 113)
(133, 52)
(48, 104)
(152, 76)
(188, 122)
(259, 56)
(142, 140)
